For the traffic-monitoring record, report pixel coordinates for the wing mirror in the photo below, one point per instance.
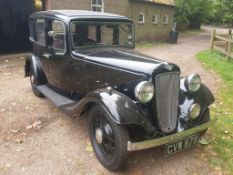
(52, 34)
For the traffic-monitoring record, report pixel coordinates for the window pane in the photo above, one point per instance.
(58, 43)
(107, 35)
(97, 9)
(40, 32)
(32, 30)
(97, 5)
(165, 19)
(89, 34)
(97, 2)
(141, 17)
(155, 19)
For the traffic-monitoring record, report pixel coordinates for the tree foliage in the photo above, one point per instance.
(222, 12)
(225, 9)
(192, 13)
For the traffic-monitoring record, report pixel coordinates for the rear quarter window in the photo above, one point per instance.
(32, 30)
(40, 32)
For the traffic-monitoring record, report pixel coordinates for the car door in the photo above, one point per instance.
(40, 47)
(56, 54)
(62, 67)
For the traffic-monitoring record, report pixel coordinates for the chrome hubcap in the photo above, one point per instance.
(99, 135)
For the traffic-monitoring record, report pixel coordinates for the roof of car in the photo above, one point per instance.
(79, 14)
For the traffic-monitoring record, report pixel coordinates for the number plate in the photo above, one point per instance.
(181, 145)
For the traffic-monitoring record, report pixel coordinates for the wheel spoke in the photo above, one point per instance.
(97, 123)
(109, 150)
(109, 138)
(107, 147)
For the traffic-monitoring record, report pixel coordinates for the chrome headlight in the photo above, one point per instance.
(193, 83)
(194, 111)
(144, 91)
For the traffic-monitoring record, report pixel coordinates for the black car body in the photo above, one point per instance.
(85, 61)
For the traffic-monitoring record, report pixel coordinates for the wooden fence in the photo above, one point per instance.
(222, 43)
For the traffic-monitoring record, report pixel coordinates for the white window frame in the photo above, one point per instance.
(143, 19)
(167, 19)
(156, 17)
(97, 5)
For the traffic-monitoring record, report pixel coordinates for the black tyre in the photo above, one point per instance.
(109, 140)
(34, 82)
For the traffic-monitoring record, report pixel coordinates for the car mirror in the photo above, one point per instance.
(52, 34)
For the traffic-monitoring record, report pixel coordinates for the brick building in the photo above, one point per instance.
(153, 18)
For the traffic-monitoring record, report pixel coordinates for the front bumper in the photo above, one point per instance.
(167, 139)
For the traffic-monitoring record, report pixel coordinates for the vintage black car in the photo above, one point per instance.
(85, 62)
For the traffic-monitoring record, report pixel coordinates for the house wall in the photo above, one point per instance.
(149, 31)
(144, 32)
(112, 6)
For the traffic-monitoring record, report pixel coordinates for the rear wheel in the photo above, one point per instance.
(34, 83)
(109, 140)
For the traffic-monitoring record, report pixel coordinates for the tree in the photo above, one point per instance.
(228, 12)
(222, 12)
(181, 12)
(192, 13)
(200, 10)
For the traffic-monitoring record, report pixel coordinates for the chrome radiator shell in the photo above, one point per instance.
(167, 86)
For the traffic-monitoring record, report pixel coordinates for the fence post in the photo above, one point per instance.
(229, 44)
(212, 39)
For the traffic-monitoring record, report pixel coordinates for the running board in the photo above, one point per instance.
(57, 99)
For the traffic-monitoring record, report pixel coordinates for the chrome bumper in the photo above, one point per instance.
(167, 139)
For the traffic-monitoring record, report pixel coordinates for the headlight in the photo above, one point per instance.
(194, 111)
(144, 91)
(193, 83)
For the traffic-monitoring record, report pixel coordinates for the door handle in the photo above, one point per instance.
(46, 55)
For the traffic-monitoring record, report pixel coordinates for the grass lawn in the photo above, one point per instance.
(222, 132)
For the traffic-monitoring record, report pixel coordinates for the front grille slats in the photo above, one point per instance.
(167, 100)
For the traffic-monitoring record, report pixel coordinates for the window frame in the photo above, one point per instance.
(65, 36)
(32, 28)
(143, 15)
(98, 6)
(45, 32)
(107, 22)
(167, 19)
(156, 17)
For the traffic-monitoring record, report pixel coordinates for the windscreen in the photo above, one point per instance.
(101, 34)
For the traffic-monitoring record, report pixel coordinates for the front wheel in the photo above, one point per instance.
(109, 140)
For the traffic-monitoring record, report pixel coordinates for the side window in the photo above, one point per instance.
(165, 19)
(141, 18)
(32, 30)
(40, 32)
(59, 37)
(155, 19)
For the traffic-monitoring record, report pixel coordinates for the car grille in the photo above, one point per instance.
(167, 100)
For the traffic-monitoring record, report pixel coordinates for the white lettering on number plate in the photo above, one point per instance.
(178, 146)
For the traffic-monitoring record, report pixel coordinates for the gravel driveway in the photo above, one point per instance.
(37, 138)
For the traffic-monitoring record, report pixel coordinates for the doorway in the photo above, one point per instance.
(14, 31)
